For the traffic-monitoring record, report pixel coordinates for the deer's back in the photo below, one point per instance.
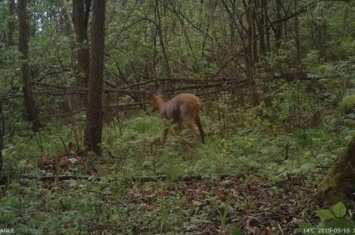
(181, 107)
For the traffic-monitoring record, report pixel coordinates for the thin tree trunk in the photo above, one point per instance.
(161, 38)
(248, 48)
(12, 22)
(251, 51)
(232, 12)
(262, 27)
(254, 51)
(297, 33)
(266, 20)
(278, 26)
(29, 102)
(2, 133)
(253, 19)
(93, 129)
(155, 53)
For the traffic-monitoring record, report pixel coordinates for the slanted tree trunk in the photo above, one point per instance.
(29, 102)
(93, 129)
(339, 184)
(159, 28)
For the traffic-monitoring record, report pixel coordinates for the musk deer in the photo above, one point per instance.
(183, 109)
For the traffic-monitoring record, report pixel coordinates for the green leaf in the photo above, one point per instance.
(339, 223)
(339, 210)
(304, 225)
(236, 230)
(325, 214)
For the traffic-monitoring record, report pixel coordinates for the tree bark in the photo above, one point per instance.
(2, 133)
(30, 105)
(159, 27)
(278, 26)
(266, 20)
(81, 11)
(262, 27)
(297, 33)
(251, 50)
(12, 23)
(93, 129)
(339, 184)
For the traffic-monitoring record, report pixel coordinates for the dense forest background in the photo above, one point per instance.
(276, 80)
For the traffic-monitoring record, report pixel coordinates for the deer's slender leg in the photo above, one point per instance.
(165, 132)
(190, 125)
(178, 128)
(202, 134)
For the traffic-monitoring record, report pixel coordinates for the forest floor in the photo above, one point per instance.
(256, 206)
(193, 206)
(267, 186)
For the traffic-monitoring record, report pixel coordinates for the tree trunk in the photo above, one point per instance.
(339, 185)
(93, 129)
(251, 51)
(12, 22)
(29, 102)
(278, 26)
(81, 10)
(159, 26)
(266, 20)
(297, 33)
(262, 27)
(2, 133)
(253, 25)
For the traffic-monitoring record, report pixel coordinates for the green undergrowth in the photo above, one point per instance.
(242, 151)
(131, 149)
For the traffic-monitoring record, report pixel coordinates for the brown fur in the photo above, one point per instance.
(183, 109)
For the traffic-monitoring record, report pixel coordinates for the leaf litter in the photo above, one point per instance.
(214, 207)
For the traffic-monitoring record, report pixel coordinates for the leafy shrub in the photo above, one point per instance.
(333, 221)
(347, 105)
